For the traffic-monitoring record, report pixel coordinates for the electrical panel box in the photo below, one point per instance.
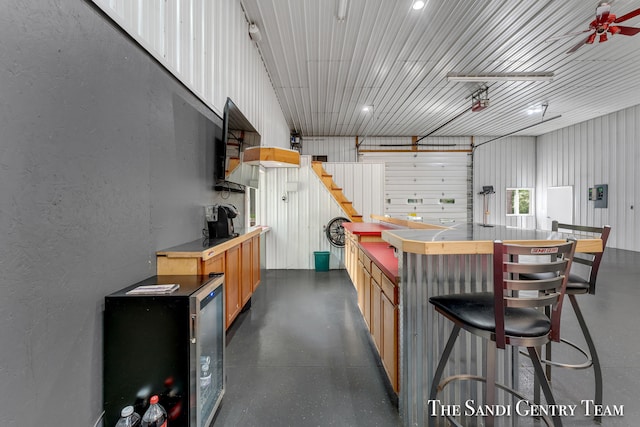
(599, 195)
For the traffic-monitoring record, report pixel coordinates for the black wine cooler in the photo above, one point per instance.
(165, 336)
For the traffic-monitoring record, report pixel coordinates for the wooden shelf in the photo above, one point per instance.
(272, 157)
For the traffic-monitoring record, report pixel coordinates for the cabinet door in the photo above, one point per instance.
(246, 286)
(255, 262)
(366, 285)
(232, 284)
(376, 314)
(389, 351)
(360, 285)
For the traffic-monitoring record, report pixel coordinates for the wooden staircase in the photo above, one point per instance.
(336, 192)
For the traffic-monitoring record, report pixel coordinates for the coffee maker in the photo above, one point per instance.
(220, 220)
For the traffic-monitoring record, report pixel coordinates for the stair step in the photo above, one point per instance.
(336, 189)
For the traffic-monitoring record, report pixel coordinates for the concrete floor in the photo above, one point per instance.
(301, 356)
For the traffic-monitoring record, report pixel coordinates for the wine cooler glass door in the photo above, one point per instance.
(210, 342)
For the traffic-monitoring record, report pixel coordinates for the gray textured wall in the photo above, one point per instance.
(103, 160)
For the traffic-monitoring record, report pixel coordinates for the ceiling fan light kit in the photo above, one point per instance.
(603, 23)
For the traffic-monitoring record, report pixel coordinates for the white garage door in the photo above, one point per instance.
(432, 185)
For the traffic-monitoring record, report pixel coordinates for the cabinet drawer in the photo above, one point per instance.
(365, 260)
(376, 273)
(390, 289)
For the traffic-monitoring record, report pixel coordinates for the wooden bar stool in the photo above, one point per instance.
(509, 316)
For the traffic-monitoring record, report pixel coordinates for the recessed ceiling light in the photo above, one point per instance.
(418, 4)
(367, 108)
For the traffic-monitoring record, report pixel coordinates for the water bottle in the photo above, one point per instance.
(155, 416)
(205, 381)
(128, 418)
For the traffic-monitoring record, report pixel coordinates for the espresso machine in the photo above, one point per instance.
(219, 219)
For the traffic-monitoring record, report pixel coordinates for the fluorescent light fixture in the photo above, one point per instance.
(342, 10)
(500, 77)
(418, 4)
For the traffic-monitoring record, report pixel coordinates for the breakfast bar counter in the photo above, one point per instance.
(453, 260)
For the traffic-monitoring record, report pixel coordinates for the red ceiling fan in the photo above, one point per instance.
(605, 22)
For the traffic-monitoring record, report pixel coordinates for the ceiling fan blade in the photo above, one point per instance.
(627, 16)
(578, 46)
(564, 36)
(628, 31)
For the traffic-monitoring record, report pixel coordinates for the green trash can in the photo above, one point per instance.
(322, 260)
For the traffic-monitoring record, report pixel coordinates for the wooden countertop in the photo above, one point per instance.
(205, 248)
(475, 239)
(407, 224)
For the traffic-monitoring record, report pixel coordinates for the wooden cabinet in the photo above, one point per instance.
(378, 301)
(255, 262)
(232, 284)
(351, 257)
(215, 264)
(238, 258)
(359, 282)
(246, 284)
(376, 325)
(366, 285)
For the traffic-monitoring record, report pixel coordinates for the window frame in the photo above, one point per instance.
(515, 207)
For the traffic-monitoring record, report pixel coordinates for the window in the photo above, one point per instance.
(519, 201)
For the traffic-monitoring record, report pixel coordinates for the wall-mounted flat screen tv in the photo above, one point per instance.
(237, 134)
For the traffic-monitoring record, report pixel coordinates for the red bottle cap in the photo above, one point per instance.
(154, 399)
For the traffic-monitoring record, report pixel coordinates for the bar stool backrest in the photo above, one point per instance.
(510, 261)
(591, 260)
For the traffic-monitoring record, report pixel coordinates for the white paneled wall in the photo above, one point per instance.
(506, 163)
(604, 150)
(337, 149)
(362, 183)
(206, 45)
(297, 224)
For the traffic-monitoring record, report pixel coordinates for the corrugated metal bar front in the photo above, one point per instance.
(424, 333)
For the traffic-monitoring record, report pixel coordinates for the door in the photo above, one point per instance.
(559, 206)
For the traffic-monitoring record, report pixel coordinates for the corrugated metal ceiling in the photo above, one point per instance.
(386, 55)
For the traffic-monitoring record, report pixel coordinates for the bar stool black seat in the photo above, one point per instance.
(508, 315)
(580, 284)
